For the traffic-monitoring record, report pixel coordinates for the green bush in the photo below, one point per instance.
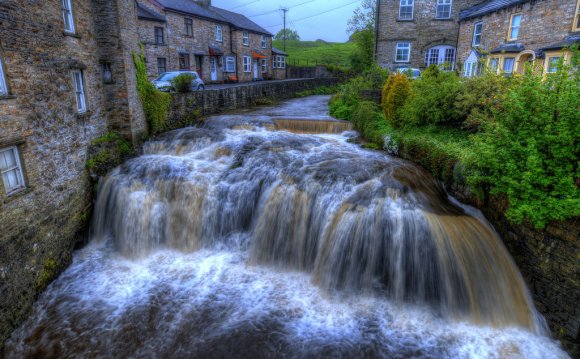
(182, 83)
(369, 121)
(432, 99)
(155, 103)
(395, 93)
(529, 152)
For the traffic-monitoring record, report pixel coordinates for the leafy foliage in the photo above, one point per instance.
(182, 83)
(289, 34)
(362, 58)
(363, 17)
(395, 93)
(155, 103)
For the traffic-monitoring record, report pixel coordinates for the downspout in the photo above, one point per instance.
(377, 18)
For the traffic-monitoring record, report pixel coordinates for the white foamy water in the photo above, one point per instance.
(235, 241)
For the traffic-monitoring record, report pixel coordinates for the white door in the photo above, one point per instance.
(213, 64)
(256, 72)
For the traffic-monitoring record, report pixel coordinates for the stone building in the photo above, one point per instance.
(279, 70)
(222, 46)
(416, 34)
(66, 78)
(506, 35)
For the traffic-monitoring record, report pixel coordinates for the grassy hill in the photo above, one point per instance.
(310, 53)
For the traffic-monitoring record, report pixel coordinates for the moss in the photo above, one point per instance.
(49, 271)
(322, 90)
(155, 103)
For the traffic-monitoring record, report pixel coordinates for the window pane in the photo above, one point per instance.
(7, 160)
(12, 179)
(3, 87)
(553, 64)
(508, 65)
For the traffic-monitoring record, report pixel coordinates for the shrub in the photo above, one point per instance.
(182, 83)
(155, 103)
(369, 121)
(432, 99)
(529, 153)
(395, 94)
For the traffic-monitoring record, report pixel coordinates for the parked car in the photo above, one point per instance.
(163, 82)
(409, 71)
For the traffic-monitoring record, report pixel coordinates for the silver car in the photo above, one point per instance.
(412, 73)
(164, 81)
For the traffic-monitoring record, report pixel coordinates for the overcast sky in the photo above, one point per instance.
(330, 26)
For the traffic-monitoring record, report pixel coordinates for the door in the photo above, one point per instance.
(213, 69)
(198, 65)
(256, 70)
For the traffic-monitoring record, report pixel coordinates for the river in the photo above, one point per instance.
(268, 234)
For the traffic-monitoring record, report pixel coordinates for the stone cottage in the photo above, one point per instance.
(507, 35)
(222, 46)
(66, 77)
(416, 34)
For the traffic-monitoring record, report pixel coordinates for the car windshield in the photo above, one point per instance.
(167, 76)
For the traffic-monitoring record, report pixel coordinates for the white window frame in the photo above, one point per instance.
(79, 91)
(219, 36)
(443, 4)
(439, 55)
(230, 64)
(407, 4)
(264, 64)
(247, 64)
(279, 62)
(246, 38)
(67, 16)
(402, 46)
(264, 42)
(17, 168)
(469, 69)
(3, 82)
(512, 27)
(477, 35)
(503, 66)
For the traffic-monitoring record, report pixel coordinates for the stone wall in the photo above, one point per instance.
(302, 72)
(209, 102)
(40, 222)
(543, 23)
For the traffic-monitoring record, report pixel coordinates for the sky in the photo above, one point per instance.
(330, 25)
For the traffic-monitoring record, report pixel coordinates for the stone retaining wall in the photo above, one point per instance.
(186, 107)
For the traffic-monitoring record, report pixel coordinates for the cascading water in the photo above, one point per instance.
(235, 240)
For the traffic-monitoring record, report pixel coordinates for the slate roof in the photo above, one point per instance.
(278, 52)
(213, 13)
(487, 7)
(508, 48)
(569, 41)
(146, 14)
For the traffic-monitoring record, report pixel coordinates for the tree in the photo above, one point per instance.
(364, 17)
(290, 35)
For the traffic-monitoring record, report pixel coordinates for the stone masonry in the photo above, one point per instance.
(39, 118)
(423, 31)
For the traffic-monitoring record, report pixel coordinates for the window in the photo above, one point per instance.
(403, 52)
(264, 66)
(11, 170)
(79, 87)
(493, 64)
(441, 55)
(247, 64)
(553, 64)
(443, 9)
(3, 85)
(246, 38)
(514, 27)
(508, 65)
(161, 65)
(230, 64)
(477, 31)
(264, 42)
(159, 38)
(279, 62)
(184, 61)
(576, 25)
(469, 69)
(406, 9)
(218, 33)
(69, 24)
(189, 27)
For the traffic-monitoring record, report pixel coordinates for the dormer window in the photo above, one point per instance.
(477, 31)
(67, 14)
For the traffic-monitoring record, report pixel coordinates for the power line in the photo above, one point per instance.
(321, 13)
(246, 4)
(290, 7)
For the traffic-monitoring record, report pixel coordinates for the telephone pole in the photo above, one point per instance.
(284, 10)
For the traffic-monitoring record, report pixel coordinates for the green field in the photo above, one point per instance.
(311, 53)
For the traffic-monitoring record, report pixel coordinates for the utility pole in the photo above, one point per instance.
(285, 10)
